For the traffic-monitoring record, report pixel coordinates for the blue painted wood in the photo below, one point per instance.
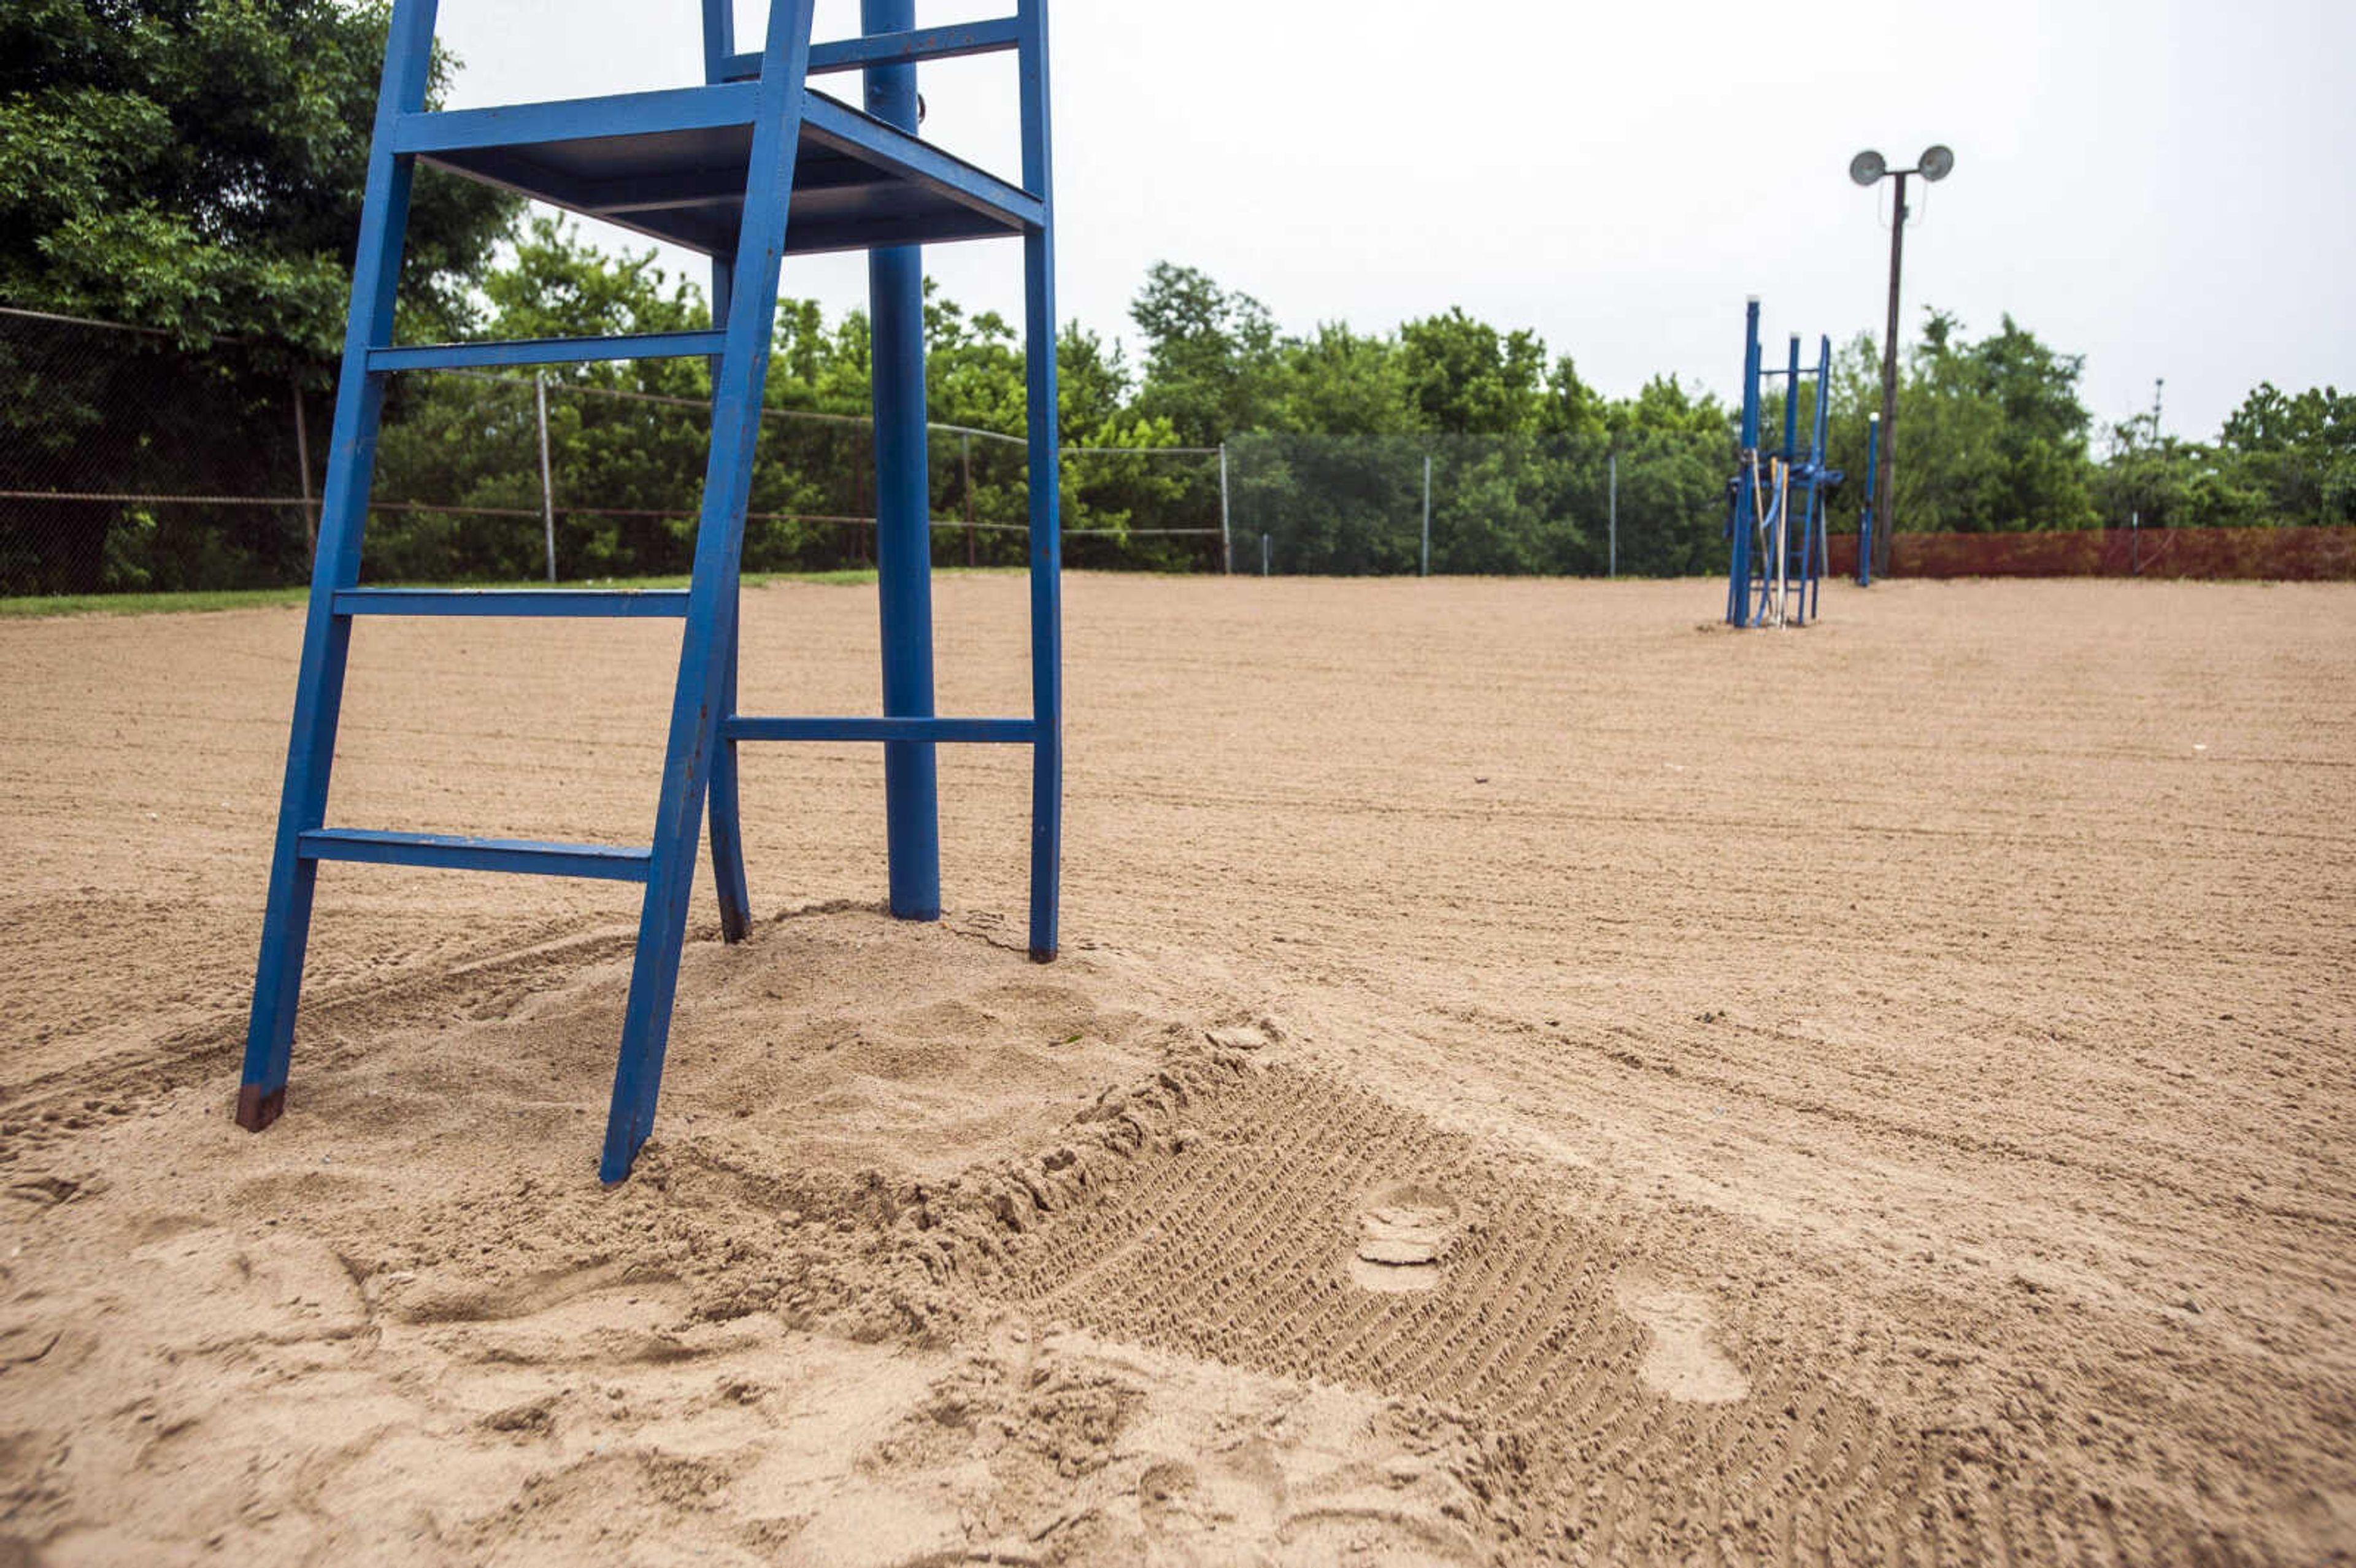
(904, 48)
(608, 117)
(604, 862)
(545, 351)
(728, 882)
(1741, 511)
(669, 165)
(1820, 557)
(1792, 405)
(986, 732)
(728, 879)
(903, 511)
(1865, 517)
(627, 603)
(673, 155)
(947, 226)
(343, 512)
(1042, 432)
(720, 46)
(699, 697)
(896, 152)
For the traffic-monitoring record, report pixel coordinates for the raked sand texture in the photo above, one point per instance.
(1533, 1075)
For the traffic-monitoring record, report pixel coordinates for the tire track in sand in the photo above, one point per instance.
(1234, 1241)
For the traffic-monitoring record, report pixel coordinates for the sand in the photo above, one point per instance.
(1532, 1076)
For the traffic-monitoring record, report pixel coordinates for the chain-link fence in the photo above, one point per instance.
(127, 465)
(1649, 505)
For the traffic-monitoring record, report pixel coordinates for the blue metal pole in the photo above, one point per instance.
(904, 512)
(719, 48)
(1819, 548)
(1043, 474)
(343, 516)
(1737, 571)
(1872, 475)
(1792, 404)
(1791, 455)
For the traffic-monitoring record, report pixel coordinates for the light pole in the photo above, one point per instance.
(1869, 168)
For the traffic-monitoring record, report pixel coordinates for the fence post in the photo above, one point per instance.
(2135, 544)
(1612, 562)
(1427, 514)
(303, 463)
(1227, 550)
(547, 486)
(1263, 555)
(965, 458)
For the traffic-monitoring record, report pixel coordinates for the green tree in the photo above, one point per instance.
(1341, 382)
(195, 166)
(1991, 435)
(1211, 356)
(1464, 377)
(2299, 450)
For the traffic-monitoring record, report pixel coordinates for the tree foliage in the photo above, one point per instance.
(196, 165)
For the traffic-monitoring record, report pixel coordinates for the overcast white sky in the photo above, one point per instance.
(2160, 186)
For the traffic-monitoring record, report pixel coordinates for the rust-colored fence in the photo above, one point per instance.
(2280, 554)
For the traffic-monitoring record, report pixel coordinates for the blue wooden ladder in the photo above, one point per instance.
(747, 167)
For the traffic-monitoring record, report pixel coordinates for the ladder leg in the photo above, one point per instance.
(327, 636)
(697, 701)
(1044, 480)
(727, 834)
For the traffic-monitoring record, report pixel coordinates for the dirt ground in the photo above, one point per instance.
(1533, 1075)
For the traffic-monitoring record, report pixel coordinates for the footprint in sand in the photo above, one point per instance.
(1169, 1497)
(1683, 1361)
(1404, 1233)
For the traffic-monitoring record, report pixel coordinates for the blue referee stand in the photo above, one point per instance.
(753, 166)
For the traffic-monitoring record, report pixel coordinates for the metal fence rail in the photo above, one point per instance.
(127, 465)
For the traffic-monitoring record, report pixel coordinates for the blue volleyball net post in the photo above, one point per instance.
(1777, 550)
(749, 167)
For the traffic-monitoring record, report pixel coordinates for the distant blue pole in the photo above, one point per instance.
(1738, 571)
(1792, 404)
(1817, 546)
(1872, 474)
(903, 565)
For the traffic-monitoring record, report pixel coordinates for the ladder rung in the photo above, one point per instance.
(604, 861)
(1003, 732)
(894, 49)
(628, 603)
(548, 351)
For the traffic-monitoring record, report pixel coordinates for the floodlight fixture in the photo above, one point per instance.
(1870, 168)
